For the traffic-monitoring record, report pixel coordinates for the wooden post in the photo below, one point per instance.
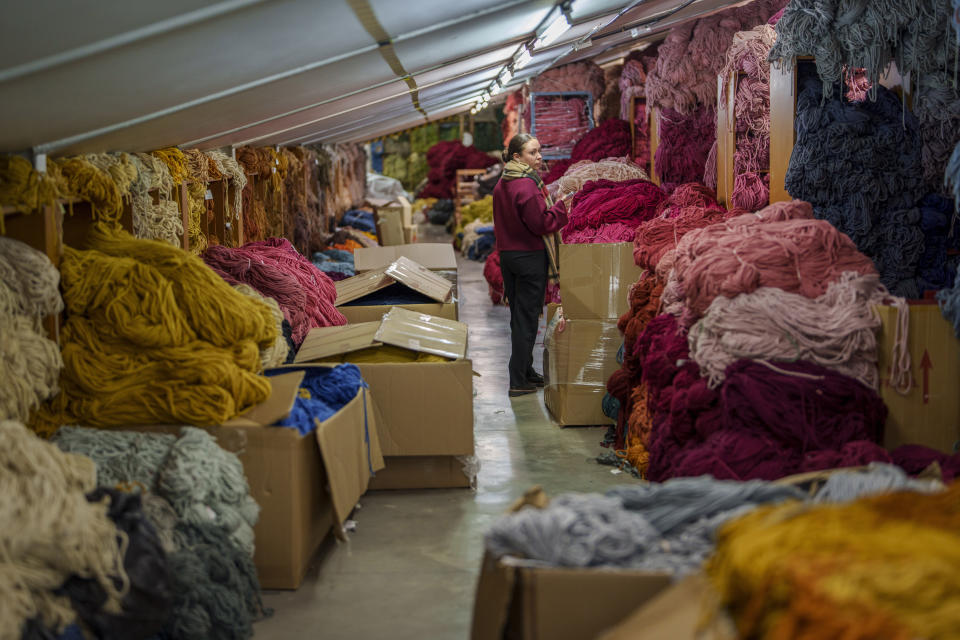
(633, 126)
(783, 107)
(218, 190)
(726, 137)
(183, 199)
(654, 115)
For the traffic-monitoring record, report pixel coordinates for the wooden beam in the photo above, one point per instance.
(654, 115)
(783, 107)
(726, 137)
(183, 199)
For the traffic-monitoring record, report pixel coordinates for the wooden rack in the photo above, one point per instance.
(465, 192)
(654, 115)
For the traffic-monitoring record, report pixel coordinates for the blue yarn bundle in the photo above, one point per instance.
(358, 219)
(322, 394)
(483, 245)
(335, 261)
(859, 165)
(941, 242)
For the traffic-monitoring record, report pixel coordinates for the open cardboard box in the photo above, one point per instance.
(433, 256)
(402, 271)
(306, 486)
(424, 409)
(524, 600)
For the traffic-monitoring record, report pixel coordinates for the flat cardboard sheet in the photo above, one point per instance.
(424, 333)
(358, 286)
(390, 225)
(421, 279)
(324, 342)
(930, 413)
(595, 280)
(433, 256)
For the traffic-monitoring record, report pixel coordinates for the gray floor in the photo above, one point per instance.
(410, 568)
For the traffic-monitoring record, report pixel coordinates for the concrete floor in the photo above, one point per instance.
(409, 570)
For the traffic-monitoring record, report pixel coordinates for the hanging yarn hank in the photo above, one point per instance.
(613, 169)
(869, 35)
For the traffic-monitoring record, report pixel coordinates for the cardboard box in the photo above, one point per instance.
(930, 413)
(579, 356)
(390, 226)
(433, 256)
(410, 234)
(595, 280)
(439, 287)
(680, 612)
(424, 409)
(306, 486)
(552, 308)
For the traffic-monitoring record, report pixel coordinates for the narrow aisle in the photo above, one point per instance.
(410, 568)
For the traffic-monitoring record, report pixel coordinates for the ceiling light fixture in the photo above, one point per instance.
(554, 30)
(523, 59)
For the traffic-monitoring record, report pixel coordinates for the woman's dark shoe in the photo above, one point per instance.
(535, 379)
(522, 391)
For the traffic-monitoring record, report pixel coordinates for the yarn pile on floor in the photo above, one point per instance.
(29, 362)
(277, 270)
(608, 211)
(159, 338)
(843, 571)
(196, 496)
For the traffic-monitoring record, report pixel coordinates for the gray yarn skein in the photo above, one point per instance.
(204, 483)
(846, 486)
(668, 527)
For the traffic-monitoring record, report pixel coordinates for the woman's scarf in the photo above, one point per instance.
(516, 169)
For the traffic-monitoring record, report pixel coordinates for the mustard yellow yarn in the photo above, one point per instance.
(176, 162)
(884, 567)
(90, 184)
(25, 189)
(154, 336)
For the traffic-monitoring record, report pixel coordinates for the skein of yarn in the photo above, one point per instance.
(579, 173)
(608, 211)
(49, 531)
(843, 571)
(836, 330)
(203, 483)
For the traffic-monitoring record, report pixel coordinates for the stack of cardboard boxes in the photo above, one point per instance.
(582, 339)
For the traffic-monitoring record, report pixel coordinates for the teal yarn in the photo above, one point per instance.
(204, 483)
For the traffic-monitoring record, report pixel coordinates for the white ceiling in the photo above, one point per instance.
(119, 75)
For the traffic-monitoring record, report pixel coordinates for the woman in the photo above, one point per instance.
(522, 214)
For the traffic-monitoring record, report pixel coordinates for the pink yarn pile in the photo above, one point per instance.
(782, 246)
(275, 269)
(560, 123)
(692, 55)
(608, 211)
(689, 207)
(444, 158)
(751, 161)
(610, 140)
(685, 142)
(576, 76)
(579, 173)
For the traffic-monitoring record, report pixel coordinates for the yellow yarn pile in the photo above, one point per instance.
(153, 335)
(277, 353)
(160, 221)
(90, 184)
(25, 189)
(881, 567)
(49, 532)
